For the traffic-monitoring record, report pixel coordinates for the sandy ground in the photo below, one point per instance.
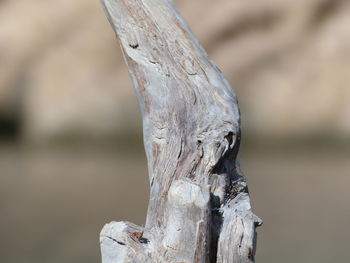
(53, 203)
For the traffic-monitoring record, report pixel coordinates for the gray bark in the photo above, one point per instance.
(199, 208)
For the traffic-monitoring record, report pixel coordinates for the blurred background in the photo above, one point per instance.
(71, 153)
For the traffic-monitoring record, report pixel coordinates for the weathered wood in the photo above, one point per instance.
(199, 209)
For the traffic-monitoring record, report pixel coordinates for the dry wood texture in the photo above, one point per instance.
(199, 208)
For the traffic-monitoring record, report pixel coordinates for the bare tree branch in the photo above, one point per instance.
(199, 209)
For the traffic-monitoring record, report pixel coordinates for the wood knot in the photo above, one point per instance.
(137, 235)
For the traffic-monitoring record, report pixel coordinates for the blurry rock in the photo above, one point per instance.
(69, 64)
(288, 61)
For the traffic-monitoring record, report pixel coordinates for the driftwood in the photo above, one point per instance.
(199, 208)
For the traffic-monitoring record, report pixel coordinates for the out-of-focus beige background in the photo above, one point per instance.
(71, 154)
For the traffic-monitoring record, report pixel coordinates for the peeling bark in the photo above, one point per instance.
(199, 208)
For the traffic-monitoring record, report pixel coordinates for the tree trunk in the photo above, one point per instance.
(199, 208)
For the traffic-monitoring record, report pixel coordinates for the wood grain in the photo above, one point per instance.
(199, 207)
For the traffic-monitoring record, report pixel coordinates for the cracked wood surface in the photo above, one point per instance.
(199, 209)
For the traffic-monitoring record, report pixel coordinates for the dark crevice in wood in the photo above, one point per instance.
(134, 46)
(235, 184)
(114, 240)
(215, 226)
